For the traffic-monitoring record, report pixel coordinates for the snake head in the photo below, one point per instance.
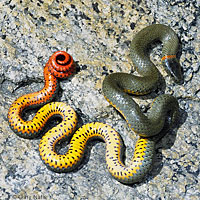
(174, 69)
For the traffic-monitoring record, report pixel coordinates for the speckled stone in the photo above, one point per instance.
(97, 34)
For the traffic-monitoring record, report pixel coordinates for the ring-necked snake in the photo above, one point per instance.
(114, 90)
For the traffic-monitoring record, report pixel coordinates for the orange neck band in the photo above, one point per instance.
(168, 57)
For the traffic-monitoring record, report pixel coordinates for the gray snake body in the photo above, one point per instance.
(116, 86)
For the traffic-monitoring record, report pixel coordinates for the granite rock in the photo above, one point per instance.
(97, 34)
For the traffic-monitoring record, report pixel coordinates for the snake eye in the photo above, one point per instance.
(174, 69)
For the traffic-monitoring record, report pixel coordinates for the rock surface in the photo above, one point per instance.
(97, 34)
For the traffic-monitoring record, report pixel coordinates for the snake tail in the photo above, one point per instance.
(134, 172)
(60, 65)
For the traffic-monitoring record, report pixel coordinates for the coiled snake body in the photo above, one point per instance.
(114, 88)
(117, 85)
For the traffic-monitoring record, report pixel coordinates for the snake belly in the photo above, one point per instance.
(116, 87)
(60, 65)
(140, 163)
